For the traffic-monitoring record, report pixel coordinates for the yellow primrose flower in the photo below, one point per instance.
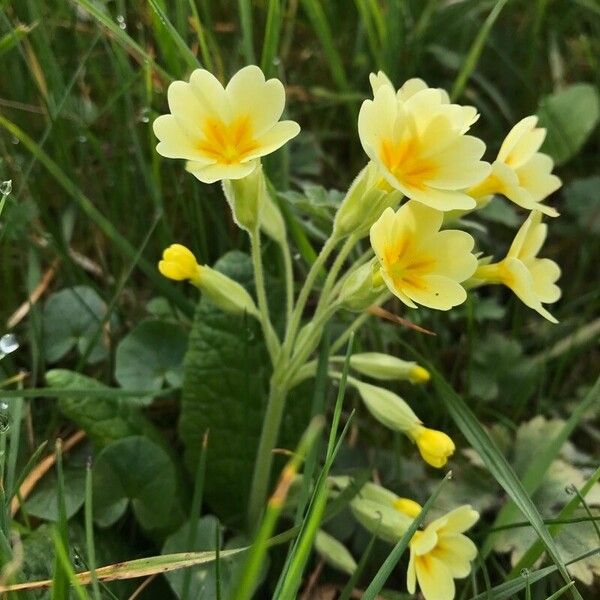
(179, 263)
(222, 132)
(434, 446)
(417, 139)
(531, 278)
(463, 116)
(419, 263)
(441, 553)
(520, 172)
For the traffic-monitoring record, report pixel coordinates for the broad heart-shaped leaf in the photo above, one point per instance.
(104, 418)
(203, 580)
(570, 116)
(150, 356)
(225, 392)
(134, 470)
(72, 318)
(43, 504)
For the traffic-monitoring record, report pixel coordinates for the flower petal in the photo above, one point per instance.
(174, 142)
(456, 552)
(443, 200)
(210, 94)
(249, 94)
(274, 138)
(452, 251)
(544, 273)
(435, 291)
(460, 519)
(216, 172)
(435, 579)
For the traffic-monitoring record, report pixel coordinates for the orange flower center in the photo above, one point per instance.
(405, 267)
(228, 143)
(404, 160)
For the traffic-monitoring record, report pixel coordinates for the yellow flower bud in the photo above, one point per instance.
(386, 367)
(179, 263)
(388, 408)
(435, 446)
(226, 294)
(368, 196)
(408, 507)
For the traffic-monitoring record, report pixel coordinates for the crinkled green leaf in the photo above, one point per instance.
(104, 419)
(570, 116)
(150, 356)
(581, 200)
(225, 391)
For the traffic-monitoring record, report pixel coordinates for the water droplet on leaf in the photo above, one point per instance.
(121, 22)
(8, 344)
(6, 187)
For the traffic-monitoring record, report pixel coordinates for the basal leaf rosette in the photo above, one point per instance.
(418, 140)
(419, 263)
(223, 131)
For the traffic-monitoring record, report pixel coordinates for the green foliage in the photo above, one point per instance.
(139, 471)
(225, 391)
(72, 318)
(203, 580)
(105, 418)
(570, 116)
(150, 356)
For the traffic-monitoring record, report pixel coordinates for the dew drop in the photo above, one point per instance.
(525, 573)
(6, 187)
(570, 489)
(3, 406)
(82, 139)
(145, 115)
(297, 256)
(121, 22)
(8, 344)
(14, 140)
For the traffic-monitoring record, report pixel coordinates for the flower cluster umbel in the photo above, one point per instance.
(425, 170)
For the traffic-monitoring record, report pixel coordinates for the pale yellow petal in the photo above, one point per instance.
(423, 106)
(389, 282)
(536, 177)
(544, 273)
(216, 172)
(452, 251)
(275, 138)
(174, 142)
(521, 237)
(460, 519)
(514, 137)
(410, 87)
(422, 220)
(210, 94)
(380, 232)
(435, 579)
(521, 282)
(378, 79)
(249, 94)
(443, 200)
(424, 541)
(435, 291)
(456, 552)
(186, 108)
(377, 119)
(459, 165)
(411, 575)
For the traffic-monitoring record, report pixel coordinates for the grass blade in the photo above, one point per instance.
(104, 224)
(89, 531)
(245, 11)
(182, 46)
(470, 62)
(272, 33)
(195, 512)
(499, 467)
(259, 548)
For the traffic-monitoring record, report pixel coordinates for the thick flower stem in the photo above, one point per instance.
(294, 323)
(263, 308)
(264, 455)
(335, 269)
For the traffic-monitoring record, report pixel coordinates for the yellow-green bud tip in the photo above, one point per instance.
(179, 263)
(408, 507)
(434, 446)
(419, 374)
